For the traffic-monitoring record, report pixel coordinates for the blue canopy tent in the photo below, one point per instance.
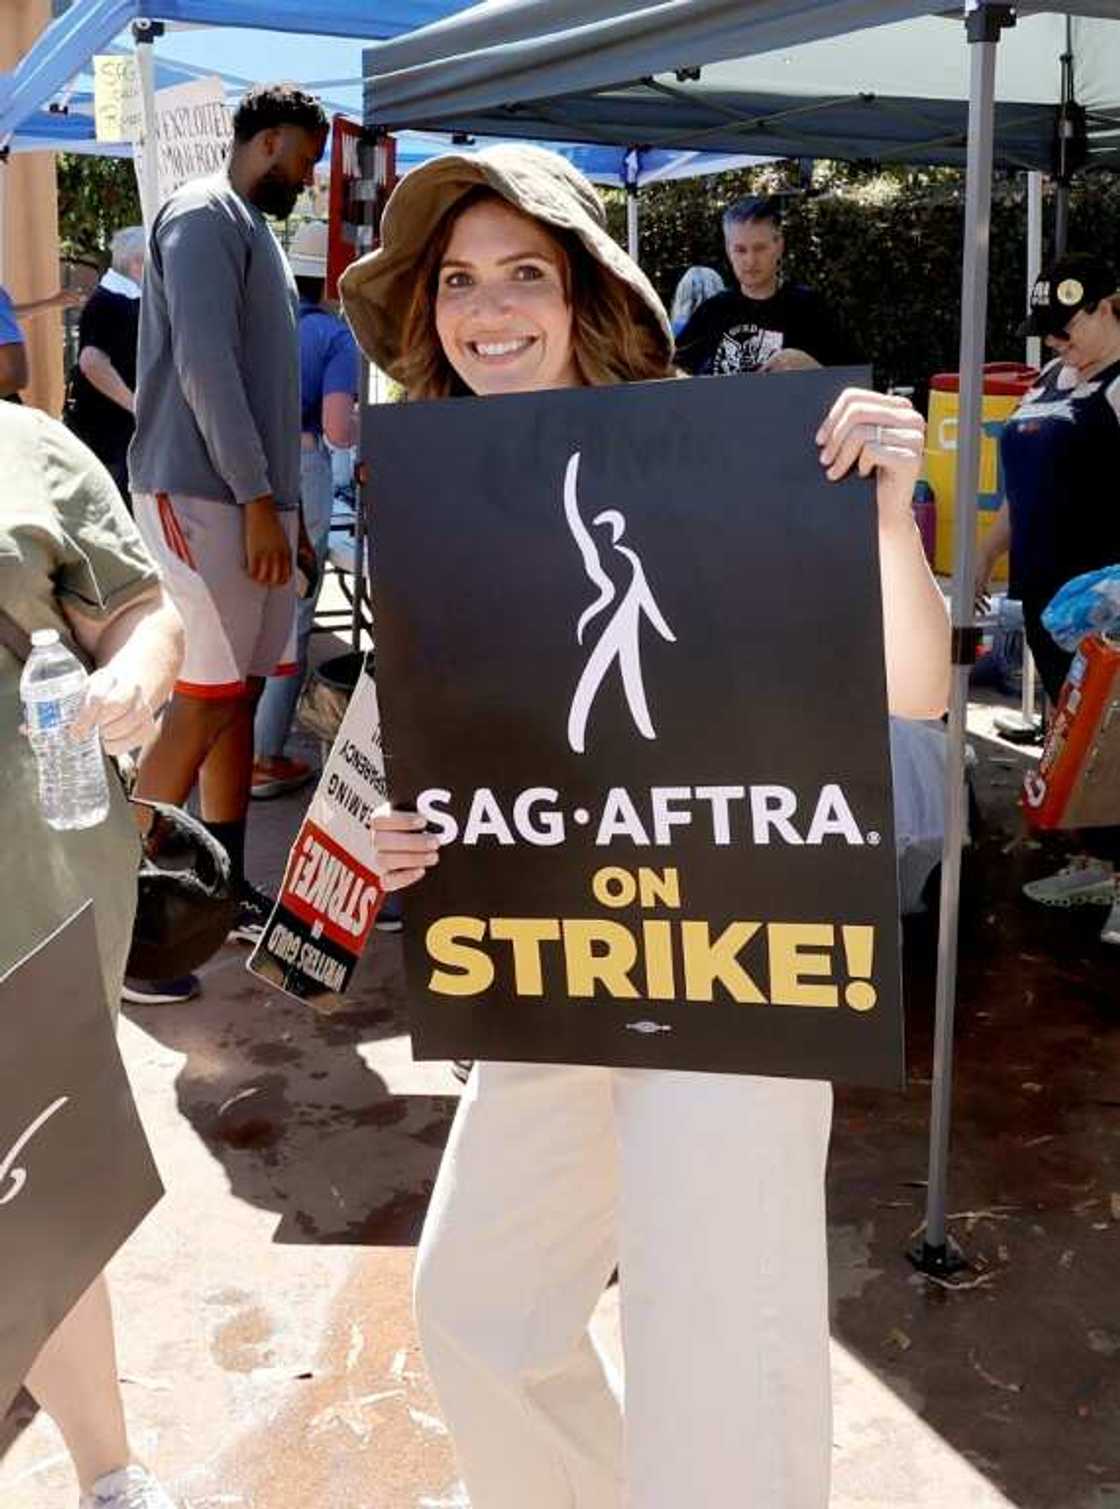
(325, 62)
(895, 79)
(66, 46)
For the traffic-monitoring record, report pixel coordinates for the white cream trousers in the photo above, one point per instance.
(708, 1191)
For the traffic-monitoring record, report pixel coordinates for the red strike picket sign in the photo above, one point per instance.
(330, 897)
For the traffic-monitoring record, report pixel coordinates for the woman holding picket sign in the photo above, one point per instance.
(496, 274)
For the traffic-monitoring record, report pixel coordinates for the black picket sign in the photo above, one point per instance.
(629, 654)
(76, 1174)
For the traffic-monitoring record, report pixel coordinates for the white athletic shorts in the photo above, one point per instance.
(235, 627)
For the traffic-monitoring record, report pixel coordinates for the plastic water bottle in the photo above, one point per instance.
(73, 791)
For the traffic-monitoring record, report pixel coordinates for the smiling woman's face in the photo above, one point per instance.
(503, 315)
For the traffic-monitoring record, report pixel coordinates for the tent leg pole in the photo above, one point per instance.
(935, 1253)
(145, 150)
(1061, 217)
(1034, 255)
(632, 220)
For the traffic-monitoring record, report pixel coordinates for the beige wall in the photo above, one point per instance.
(30, 222)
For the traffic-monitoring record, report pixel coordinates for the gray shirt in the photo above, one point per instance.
(217, 395)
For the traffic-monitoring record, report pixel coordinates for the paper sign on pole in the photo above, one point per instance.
(193, 134)
(116, 97)
(330, 896)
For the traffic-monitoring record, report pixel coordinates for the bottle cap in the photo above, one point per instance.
(42, 637)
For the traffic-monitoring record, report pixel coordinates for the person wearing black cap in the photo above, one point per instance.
(1061, 454)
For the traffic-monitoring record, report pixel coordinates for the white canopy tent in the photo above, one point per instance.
(893, 79)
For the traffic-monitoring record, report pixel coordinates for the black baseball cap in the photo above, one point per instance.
(1077, 281)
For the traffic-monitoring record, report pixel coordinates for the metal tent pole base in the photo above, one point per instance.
(939, 1260)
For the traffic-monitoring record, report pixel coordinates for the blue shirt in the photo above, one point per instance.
(10, 332)
(328, 363)
(1061, 455)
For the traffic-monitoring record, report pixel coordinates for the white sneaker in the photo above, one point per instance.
(1110, 932)
(1083, 882)
(129, 1488)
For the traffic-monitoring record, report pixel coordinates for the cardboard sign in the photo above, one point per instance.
(630, 665)
(76, 1174)
(330, 896)
(194, 130)
(355, 202)
(117, 111)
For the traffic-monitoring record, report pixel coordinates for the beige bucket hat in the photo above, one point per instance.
(307, 255)
(376, 289)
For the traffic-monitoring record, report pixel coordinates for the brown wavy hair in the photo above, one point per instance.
(614, 336)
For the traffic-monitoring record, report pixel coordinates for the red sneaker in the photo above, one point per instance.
(277, 775)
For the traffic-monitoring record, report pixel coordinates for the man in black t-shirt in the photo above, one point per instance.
(104, 381)
(763, 324)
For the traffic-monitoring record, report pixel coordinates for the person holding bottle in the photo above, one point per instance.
(72, 562)
(496, 274)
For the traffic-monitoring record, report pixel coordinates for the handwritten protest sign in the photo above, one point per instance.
(193, 132)
(630, 664)
(116, 97)
(330, 896)
(76, 1175)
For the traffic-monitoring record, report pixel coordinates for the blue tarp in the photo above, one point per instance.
(66, 46)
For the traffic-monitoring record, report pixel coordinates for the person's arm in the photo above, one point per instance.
(203, 258)
(915, 618)
(339, 424)
(62, 298)
(790, 359)
(138, 651)
(96, 367)
(13, 368)
(341, 374)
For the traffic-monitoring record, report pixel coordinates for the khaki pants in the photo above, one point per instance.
(708, 1190)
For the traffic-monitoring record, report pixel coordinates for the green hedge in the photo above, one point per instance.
(885, 248)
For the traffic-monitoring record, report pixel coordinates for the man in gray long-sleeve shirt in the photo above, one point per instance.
(214, 465)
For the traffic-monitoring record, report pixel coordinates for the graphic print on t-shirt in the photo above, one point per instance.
(745, 348)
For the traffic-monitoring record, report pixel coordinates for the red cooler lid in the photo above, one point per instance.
(1001, 380)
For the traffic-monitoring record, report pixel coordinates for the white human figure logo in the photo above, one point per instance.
(621, 636)
(18, 1176)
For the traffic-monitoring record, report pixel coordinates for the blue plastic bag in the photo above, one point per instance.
(1089, 604)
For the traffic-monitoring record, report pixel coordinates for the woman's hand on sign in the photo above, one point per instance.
(403, 851)
(880, 432)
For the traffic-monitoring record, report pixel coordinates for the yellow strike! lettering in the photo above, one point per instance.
(526, 934)
(705, 962)
(654, 888)
(792, 963)
(475, 972)
(613, 886)
(585, 966)
(657, 938)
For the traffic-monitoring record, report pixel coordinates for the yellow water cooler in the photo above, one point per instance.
(1004, 385)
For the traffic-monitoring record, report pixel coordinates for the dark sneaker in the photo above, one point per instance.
(253, 911)
(160, 992)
